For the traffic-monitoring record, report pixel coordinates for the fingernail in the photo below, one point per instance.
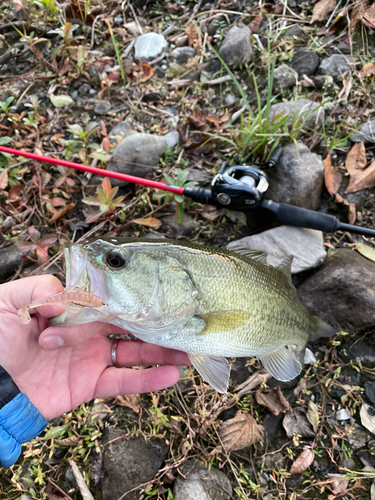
(52, 342)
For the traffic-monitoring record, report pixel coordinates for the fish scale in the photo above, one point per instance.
(211, 303)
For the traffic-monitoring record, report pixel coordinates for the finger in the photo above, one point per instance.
(55, 337)
(21, 292)
(114, 381)
(138, 353)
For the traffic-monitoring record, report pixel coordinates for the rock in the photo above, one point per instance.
(305, 62)
(149, 46)
(229, 100)
(342, 292)
(358, 437)
(196, 482)
(322, 82)
(120, 131)
(366, 133)
(199, 175)
(284, 77)
(342, 415)
(236, 47)
(129, 463)
(172, 138)
(182, 54)
(297, 178)
(306, 245)
(84, 90)
(102, 107)
(138, 153)
(273, 461)
(133, 29)
(312, 114)
(370, 391)
(344, 48)
(172, 228)
(11, 260)
(294, 31)
(336, 65)
(363, 351)
(220, 21)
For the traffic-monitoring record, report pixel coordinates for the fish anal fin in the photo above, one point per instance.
(214, 369)
(282, 364)
(224, 321)
(257, 255)
(286, 267)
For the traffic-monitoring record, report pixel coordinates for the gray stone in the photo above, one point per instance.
(120, 131)
(358, 437)
(342, 415)
(182, 54)
(306, 245)
(366, 133)
(312, 114)
(181, 41)
(172, 138)
(84, 90)
(273, 461)
(102, 107)
(129, 463)
(284, 77)
(196, 482)
(337, 64)
(138, 153)
(236, 48)
(229, 100)
(294, 31)
(342, 292)
(305, 62)
(11, 260)
(344, 48)
(172, 228)
(370, 391)
(149, 46)
(298, 177)
(322, 82)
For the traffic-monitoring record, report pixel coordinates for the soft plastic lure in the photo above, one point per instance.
(71, 296)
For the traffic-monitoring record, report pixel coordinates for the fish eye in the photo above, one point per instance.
(115, 259)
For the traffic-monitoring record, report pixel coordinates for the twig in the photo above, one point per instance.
(216, 81)
(83, 488)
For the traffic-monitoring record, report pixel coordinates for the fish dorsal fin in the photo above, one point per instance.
(214, 369)
(282, 364)
(286, 267)
(257, 255)
(223, 321)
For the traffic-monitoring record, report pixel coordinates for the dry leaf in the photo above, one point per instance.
(150, 222)
(255, 24)
(256, 379)
(313, 415)
(4, 179)
(303, 462)
(240, 432)
(352, 215)
(360, 177)
(367, 70)
(321, 9)
(369, 17)
(296, 421)
(367, 414)
(332, 177)
(198, 119)
(132, 401)
(53, 493)
(63, 211)
(193, 36)
(273, 399)
(372, 491)
(366, 251)
(69, 441)
(339, 482)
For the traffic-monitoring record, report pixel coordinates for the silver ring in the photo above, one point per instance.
(114, 354)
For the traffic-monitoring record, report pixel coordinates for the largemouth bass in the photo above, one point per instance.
(210, 303)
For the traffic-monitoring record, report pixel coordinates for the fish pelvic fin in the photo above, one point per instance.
(319, 328)
(214, 369)
(282, 364)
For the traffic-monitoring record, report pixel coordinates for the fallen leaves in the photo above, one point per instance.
(322, 9)
(149, 221)
(313, 415)
(255, 23)
(240, 432)
(332, 177)
(339, 483)
(193, 36)
(350, 206)
(273, 399)
(303, 462)
(61, 100)
(4, 179)
(366, 251)
(367, 414)
(367, 70)
(132, 401)
(296, 421)
(360, 176)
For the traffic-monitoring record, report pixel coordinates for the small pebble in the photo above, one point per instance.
(102, 107)
(342, 415)
(229, 100)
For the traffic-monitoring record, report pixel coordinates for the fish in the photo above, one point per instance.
(212, 303)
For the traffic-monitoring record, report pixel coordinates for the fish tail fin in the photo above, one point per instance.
(319, 328)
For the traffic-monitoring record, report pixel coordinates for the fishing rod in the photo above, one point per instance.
(240, 187)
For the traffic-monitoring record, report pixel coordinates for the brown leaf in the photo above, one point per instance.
(255, 23)
(14, 192)
(53, 493)
(132, 401)
(313, 415)
(193, 36)
(240, 432)
(150, 222)
(367, 70)
(198, 119)
(322, 9)
(352, 215)
(339, 482)
(360, 177)
(256, 379)
(303, 462)
(273, 399)
(296, 421)
(332, 177)
(369, 17)
(4, 179)
(69, 441)
(63, 211)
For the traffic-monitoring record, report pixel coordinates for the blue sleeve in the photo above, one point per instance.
(20, 422)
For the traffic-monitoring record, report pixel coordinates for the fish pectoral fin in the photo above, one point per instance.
(223, 321)
(214, 369)
(282, 364)
(286, 267)
(257, 255)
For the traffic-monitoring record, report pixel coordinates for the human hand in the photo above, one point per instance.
(60, 368)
